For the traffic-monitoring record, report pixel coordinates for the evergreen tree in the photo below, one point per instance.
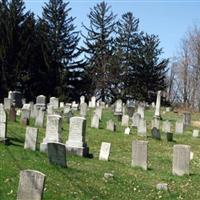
(60, 52)
(99, 49)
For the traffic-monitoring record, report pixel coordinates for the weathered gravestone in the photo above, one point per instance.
(142, 128)
(195, 133)
(57, 154)
(105, 151)
(139, 154)
(41, 102)
(25, 115)
(54, 102)
(125, 120)
(155, 123)
(67, 108)
(179, 127)
(111, 125)
(158, 102)
(31, 185)
(53, 130)
(186, 119)
(155, 133)
(181, 159)
(136, 119)
(39, 121)
(76, 143)
(166, 126)
(3, 125)
(95, 121)
(7, 103)
(12, 114)
(118, 109)
(83, 109)
(31, 138)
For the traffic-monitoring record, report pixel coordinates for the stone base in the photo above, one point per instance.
(79, 151)
(5, 141)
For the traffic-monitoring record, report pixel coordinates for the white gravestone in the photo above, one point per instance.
(3, 124)
(95, 121)
(125, 120)
(31, 138)
(142, 128)
(105, 151)
(39, 121)
(158, 102)
(82, 99)
(54, 102)
(179, 127)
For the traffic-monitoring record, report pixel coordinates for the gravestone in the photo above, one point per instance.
(57, 154)
(82, 99)
(23, 101)
(118, 109)
(195, 133)
(93, 102)
(83, 109)
(17, 99)
(166, 126)
(76, 143)
(155, 123)
(98, 111)
(162, 186)
(136, 119)
(140, 110)
(158, 102)
(95, 121)
(50, 110)
(105, 151)
(130, 111)
(168, 109)
(67, 108)
(19, 112)
(74, 106)
(179, 127)
(3, 125)
(181, 159)
(54, 102)
(139, 154)
(62, 104)
(127, 131)
(31, 185)
(7, 103)
(186, 119)
(53, 130)
(111, 125)
(155, 133)
(12, 114)
(10, 96)
(142, 128)
(31, 138)
(25, 115)
(125, 120)
(39, 121)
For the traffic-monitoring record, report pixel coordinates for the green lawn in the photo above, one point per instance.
(84, 177)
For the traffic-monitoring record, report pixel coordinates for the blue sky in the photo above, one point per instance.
(167, 18)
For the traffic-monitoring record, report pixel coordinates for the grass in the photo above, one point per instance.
(84, 178)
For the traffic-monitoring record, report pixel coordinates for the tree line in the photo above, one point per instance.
(44, 54)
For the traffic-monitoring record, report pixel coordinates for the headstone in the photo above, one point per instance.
(118, 109)
(130, 111)
(166, 126)
(7, 103)
(125, 120)
(19, 112)
(179, 127)
(17, 99)
(168, 109)
(23, 101)
(127, 131)
(155, 133)
(162, 186)
(25, 115)
(54, 102)
(67, 108)
(155, 123)
(142, 128)
(186, 118)
(195, 133)
(82, 99)
(62, 104)
(3, 125)
(95, 121)
(111, 126)
(10, 95)
(57, 154)
(98, 111)
(93, 102)
(181, 159)
(140, 110)
(139, 154)
(76, 143)
(53, 130)
(83, 109)
(50, 110)
(39, 121)
(31, 185)
(31, 138)
(158, 102)
(12, 114)
(153, 104)
(105, 151)
(136, 119)
(74, 105)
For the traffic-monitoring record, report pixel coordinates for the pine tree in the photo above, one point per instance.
(60, 41)
(99, 49)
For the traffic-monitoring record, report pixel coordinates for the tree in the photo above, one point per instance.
(60, 51)
(99, 49)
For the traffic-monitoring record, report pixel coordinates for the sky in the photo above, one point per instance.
(169, 19)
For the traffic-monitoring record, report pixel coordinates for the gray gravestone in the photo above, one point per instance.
(83, 109)
(82, 99)
(186, 118)
(125, 120)
(105, 151)
(98, 112)
(111, 126)
(139, 154)
(179, 127)
(31, 185)
(54, 102)
(118, 109)
(136, 119)
(31, 138)
(166, 126)
(7, 103)
(41, 102)
(39, 121)
(95, 121)
(142, 128)
(181, 159)
(155, 133)
(57, 154)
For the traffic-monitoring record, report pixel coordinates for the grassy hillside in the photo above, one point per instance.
(84, 178)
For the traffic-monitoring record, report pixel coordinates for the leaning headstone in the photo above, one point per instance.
(139, 154)
(105, 151)
(76, 143)
(83, 109)
(181, 159)
(142, 128)
(39, 121)
(3, 125)
(57, 154)
(54, 102)
(41, 101)
(155, 133)
(7, 103)
(31, 185)
(136, 119)
(195, 133)
(125, 120)
(53, 130)
(12, 114)
(111, 125)
(158, 102)
(186, 119)
(31, 138)
(179, 127)
(95, 121)
(166, 126)
(155, 123)
(127, 131)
